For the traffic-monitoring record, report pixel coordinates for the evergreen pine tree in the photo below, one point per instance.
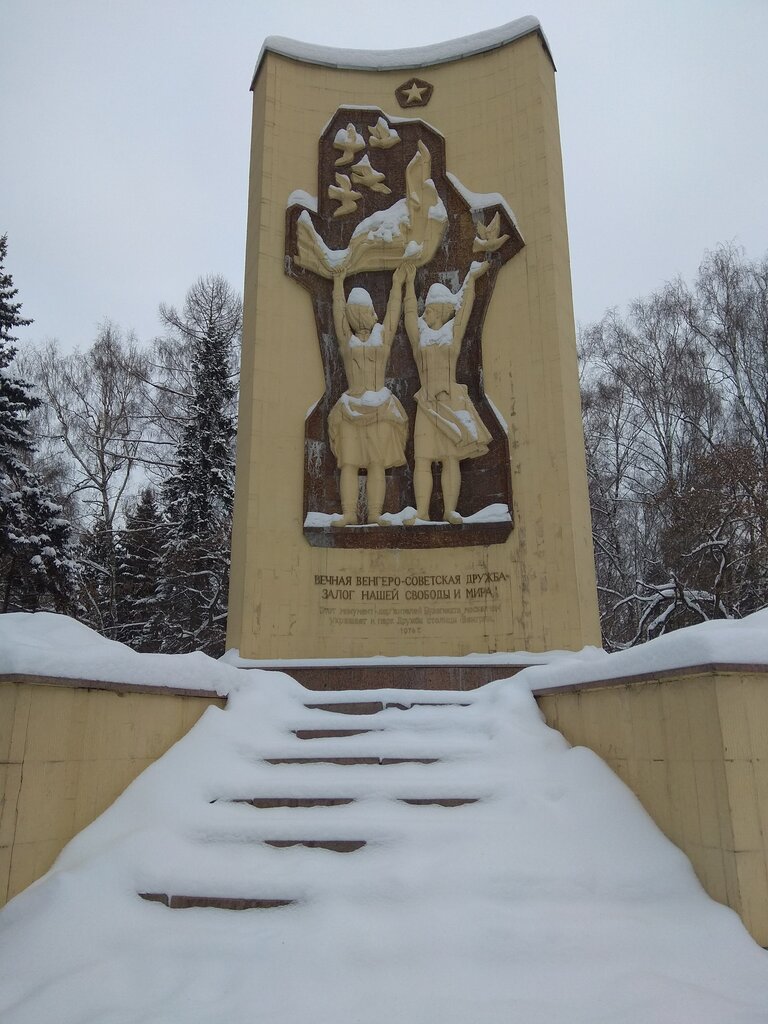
(99, 555)
(16, 399)
(140, 545)
(191, 598)
(37, 565)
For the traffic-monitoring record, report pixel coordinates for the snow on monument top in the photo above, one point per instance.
(412, 57)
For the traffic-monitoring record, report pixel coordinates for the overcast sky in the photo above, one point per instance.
(124, 138)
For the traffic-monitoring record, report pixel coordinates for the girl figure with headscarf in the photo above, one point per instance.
(368, 426)
(448, 427)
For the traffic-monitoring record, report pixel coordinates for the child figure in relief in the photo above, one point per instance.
(368, 426)
(448, 427)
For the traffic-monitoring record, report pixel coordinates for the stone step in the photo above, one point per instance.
(354, 708)
(322, 734)
(174, 902)
(334, 845)
(268, 802)
(441, 801)
(321, 760)
(291, 801)
(408, 760)
(428, 704)
(374, 707)
(352, 760)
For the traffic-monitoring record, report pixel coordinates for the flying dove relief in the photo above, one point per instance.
(382, 136)
(365, 175)
(488, 238)
(343, 193)
(350, 142)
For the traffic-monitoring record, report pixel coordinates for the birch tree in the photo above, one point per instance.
(95, 417)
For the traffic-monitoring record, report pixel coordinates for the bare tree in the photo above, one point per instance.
(674, 400)
(728, 310)
(95, 416)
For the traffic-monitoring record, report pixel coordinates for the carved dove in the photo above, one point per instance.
(382, 136)
(349, 142)
(488, 238)
(364, 174)
(343, 193)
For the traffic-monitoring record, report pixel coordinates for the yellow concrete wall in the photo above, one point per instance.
(694, 750)
(498, 113)
(65, 755)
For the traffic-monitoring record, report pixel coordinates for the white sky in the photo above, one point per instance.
(125, 138)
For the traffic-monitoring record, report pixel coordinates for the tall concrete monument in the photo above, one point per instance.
(410, 474)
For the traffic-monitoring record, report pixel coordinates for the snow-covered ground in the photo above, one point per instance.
(55, 645)
(553, 898)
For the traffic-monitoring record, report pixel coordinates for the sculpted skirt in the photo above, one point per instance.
(368, 428)
(449, 428)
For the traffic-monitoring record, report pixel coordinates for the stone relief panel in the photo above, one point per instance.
(403, 449)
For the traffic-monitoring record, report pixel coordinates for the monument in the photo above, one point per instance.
(410, 481)
(410, 474)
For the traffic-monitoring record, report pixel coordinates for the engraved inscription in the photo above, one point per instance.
(409, 602)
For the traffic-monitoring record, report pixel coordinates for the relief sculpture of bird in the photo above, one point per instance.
(343, 193)
(350, 142)
(411, 228)
(364, 174)
(488, 238)
(382, 135)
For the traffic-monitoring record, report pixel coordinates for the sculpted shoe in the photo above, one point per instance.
(343, 520)
(411, 521)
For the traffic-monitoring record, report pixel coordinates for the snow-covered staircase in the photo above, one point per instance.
(405, 856)
(325, 787)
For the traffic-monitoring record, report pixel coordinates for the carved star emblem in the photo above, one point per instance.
(414, 92)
